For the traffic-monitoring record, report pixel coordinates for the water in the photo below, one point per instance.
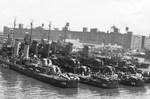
(16, 86)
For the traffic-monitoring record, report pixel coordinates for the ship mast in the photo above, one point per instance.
(49, 37)
(49, 32)
(14, 29)
(13, 37)
(31, 33)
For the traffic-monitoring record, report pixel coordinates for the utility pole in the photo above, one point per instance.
(31, 33)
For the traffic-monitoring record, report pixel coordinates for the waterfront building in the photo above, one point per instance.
(145, 42)
(94, 36)
(37, 33)
(136, 42)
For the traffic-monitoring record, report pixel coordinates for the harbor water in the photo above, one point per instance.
(13, 85)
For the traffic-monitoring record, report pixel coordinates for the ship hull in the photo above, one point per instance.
(50, 79)
(133, 83)
(99, 83)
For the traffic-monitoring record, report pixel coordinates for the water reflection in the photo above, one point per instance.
(14, 85)
(17, 85)
(132, 90)
(95, 91)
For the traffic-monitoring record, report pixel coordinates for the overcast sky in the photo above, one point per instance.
(101, 14)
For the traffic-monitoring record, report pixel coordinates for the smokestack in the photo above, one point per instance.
(26, 51)
(16, 48)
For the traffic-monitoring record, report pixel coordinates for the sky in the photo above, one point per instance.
(101, 14)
